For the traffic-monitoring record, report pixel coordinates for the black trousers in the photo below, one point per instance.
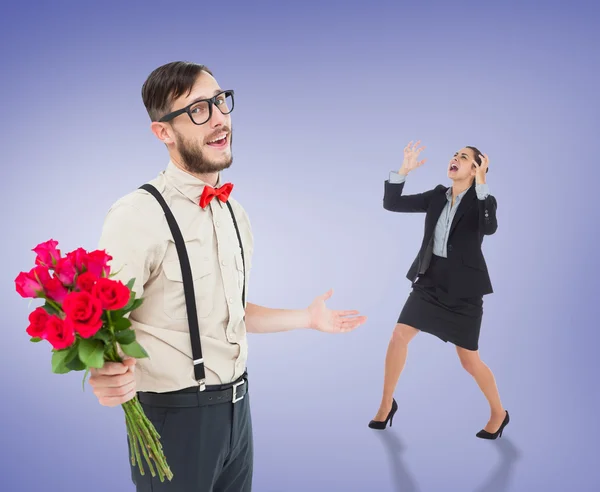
(208, 448)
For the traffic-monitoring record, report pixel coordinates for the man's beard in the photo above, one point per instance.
(194, 159)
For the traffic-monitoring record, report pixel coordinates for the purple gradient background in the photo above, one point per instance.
(327, 96)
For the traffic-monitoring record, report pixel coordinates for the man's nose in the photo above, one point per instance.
(217, 118)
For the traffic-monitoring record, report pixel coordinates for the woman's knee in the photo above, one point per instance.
(403, 334)
(469, 359)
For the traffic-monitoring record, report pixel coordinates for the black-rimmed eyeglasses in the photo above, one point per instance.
(201, 111)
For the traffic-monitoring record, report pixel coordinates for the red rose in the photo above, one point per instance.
(47, 254)
(97, 263)
(59, 333)
(65, 270)
(55, 290)
(113, 294)
(78, 257)
(30, 284)
(86, 281)
(84, 313)
(37, 323)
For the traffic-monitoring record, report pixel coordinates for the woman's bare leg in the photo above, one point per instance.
(484, 377)
(394, 363)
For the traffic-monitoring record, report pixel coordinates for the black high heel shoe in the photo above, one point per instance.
(483, 434)
(378, 424)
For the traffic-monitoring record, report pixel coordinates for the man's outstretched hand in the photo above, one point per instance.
(329, 321)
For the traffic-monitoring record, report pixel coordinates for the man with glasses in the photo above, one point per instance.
(189, 246)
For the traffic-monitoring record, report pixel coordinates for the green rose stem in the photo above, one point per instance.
(143, 437)
(53, 304)
(135, 450)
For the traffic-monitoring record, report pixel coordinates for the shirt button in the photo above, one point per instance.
(449, 247)
(230, 300)
(224, 263)
(217, 223)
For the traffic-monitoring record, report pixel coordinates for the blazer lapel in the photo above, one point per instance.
(465, 204)
(436, 208)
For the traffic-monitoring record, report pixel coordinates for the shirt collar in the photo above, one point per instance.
(458, 197)
(187, 184)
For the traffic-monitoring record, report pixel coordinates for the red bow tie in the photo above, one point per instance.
(208, 193)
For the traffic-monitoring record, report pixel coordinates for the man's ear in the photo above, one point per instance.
(163, 132)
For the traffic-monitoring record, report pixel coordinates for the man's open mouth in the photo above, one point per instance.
(219, 141)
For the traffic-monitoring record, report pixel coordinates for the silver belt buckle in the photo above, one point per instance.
(235, 387)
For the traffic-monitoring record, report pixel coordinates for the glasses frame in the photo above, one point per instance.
(211, 101)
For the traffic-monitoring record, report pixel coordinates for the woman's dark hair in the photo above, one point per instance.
(167, 83)
(477, 153)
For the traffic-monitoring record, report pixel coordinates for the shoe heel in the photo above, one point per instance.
(376, 424)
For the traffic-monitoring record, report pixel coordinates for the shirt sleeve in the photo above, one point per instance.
(482, 190)
(397, 178)
(127, 237)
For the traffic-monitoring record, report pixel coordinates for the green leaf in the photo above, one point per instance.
(137, 303)
(133, 305)
(130, 284)
(35, 339)
(125, 337)
(76, 365)
(59, 361)
(73, 350)
(104, 335)
(114, 274)
(91, 352)
(122, 324)
(115, 315)
(135, 350)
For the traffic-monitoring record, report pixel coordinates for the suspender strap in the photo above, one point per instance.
(188, 284)
(188, 287)
(237, 231)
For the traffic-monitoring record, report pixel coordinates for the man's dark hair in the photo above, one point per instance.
(167, 83)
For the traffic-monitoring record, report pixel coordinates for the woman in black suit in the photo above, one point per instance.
(449, 275)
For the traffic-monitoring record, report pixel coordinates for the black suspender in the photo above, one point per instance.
(237, 231)
(188, 284)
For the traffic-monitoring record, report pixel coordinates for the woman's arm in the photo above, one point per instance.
(395, 201)
(488, 223)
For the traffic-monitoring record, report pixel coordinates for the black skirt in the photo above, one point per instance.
(431, 309)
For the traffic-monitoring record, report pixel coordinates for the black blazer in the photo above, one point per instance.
(474, 219)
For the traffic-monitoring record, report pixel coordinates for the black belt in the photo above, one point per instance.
(194, 397)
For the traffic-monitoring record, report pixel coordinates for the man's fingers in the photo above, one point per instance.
(347, 313)
(327, 294)
(351, 324)
(113, 401)
(130, 363)
(115, 381)
(114, 391)
(114, 368)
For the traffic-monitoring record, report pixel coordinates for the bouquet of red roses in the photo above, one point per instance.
(83, 319)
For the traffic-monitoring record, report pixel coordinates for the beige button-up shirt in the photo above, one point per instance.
(137, 236)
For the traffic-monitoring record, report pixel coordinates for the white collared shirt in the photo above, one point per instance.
(137, 236)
